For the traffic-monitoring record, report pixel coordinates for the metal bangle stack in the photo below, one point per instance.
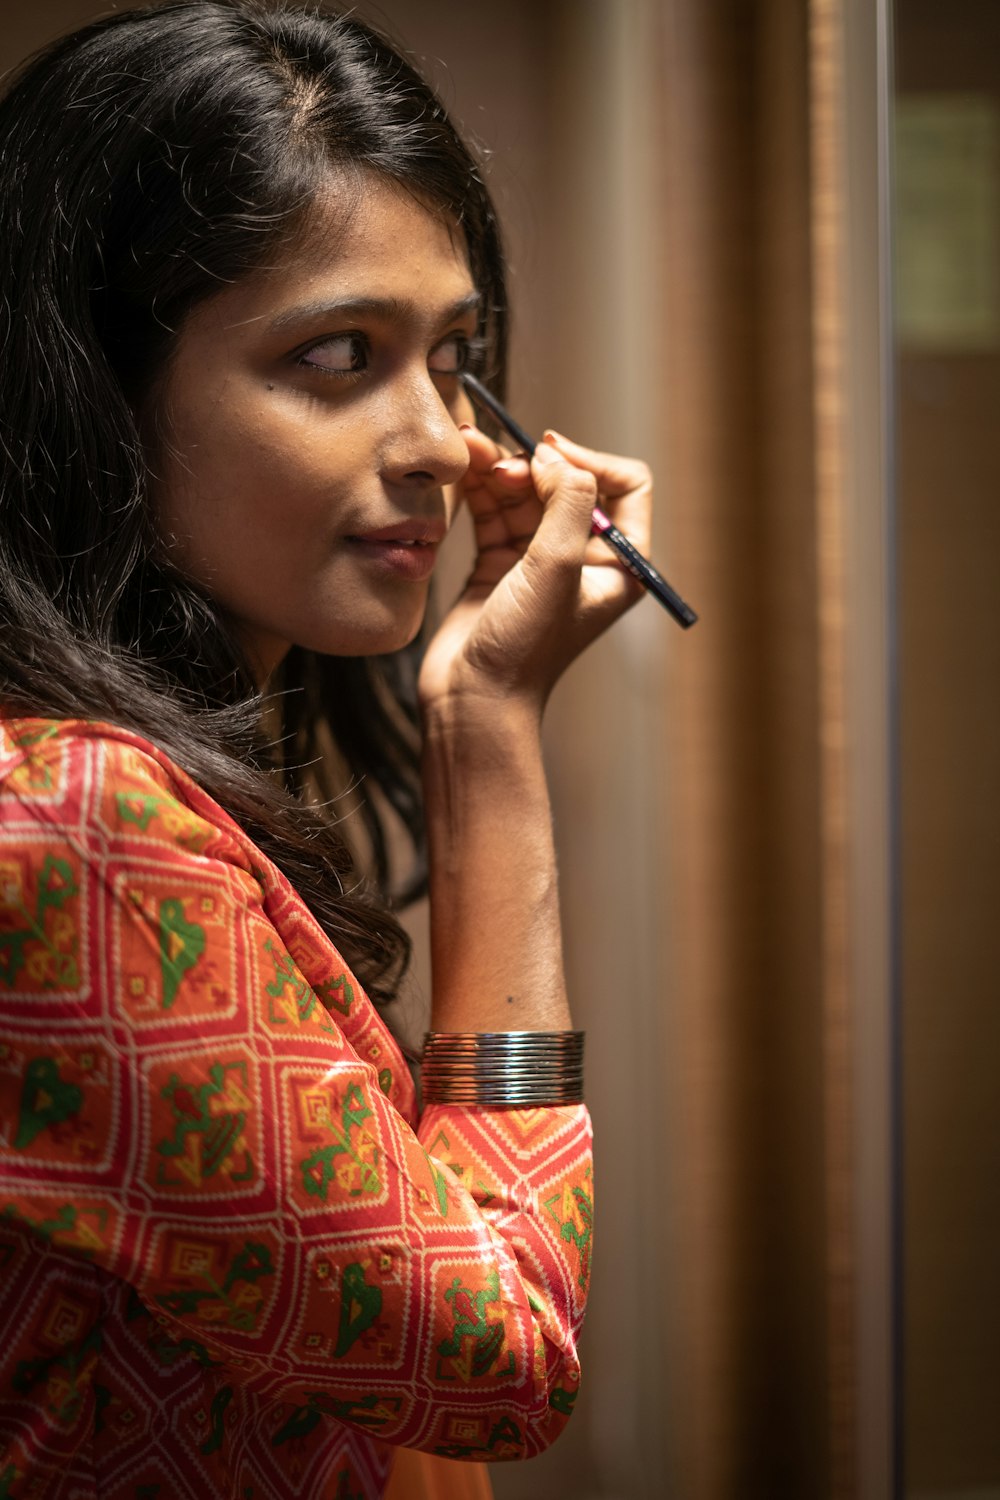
(503, 1069)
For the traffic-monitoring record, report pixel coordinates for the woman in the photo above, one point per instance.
(246, 260)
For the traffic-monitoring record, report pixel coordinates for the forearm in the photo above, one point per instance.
(496, 948)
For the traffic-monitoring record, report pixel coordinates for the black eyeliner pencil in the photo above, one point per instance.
(633, 559)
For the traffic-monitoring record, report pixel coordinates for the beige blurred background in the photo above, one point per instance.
(780, 832)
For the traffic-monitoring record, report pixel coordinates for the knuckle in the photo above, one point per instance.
(580, 483)
(635, 473)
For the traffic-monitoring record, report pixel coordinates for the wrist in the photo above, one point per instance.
(489, 728)
(493, 889)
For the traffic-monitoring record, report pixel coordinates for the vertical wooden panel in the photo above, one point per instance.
(792, 836)
(827, 94)
(849, 90)
(713, 723)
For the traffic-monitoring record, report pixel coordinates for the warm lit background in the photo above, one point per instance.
(781, 915)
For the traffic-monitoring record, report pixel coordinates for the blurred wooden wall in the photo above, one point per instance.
(949, 539)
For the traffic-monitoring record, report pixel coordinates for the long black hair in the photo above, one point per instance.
(145, 162)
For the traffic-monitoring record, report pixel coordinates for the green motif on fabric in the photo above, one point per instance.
(385, 1081)
(181, 945)
(301, 1002)
(287, 977)
(164, 1349)
(217, 1419)
(139, 808)
(63, 1223)
(372, 1411)
(12, 960)
(360, 1305)
(26, 739)
(253, 1262)
(56, 883)
(574, 1213)
(505, 1441)
(56, 886)
(440, 1147)
(476, 1344)
(344, 1490)
(204, 1141)
(440, 1186)
(168, 1351)
(45, 1100)
(40, 776)
(337, 994)
(73, 1365)
(563, 1401)
(7, 1477)
(318, 1170)
(299, 1424)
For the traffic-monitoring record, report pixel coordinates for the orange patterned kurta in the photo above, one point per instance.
(232, 1261)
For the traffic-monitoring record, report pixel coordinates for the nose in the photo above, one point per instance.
(423, 447)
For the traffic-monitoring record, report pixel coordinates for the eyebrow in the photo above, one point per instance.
(388, 309)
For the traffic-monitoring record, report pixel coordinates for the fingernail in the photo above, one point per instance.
(553, 437)
(466, 427)
(545, 454)
(501, 467)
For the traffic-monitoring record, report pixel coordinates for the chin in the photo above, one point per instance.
(381, 639)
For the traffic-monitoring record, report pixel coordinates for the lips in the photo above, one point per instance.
(415, 533)
(407, 549)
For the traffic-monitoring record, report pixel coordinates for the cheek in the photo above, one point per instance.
(282, 447)
(212, 518)
(256, 483)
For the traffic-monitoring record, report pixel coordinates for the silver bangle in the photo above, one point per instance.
(503, 1069)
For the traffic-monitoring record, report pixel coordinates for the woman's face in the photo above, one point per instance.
(307, 431)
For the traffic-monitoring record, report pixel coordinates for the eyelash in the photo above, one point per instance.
(474, 355)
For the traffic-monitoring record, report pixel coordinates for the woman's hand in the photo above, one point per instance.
(542, 588)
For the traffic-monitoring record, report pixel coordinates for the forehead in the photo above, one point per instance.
(369, 240)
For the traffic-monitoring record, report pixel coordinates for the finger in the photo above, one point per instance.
(479, 487)
(503, 506)
(513, 473)
(625, 485)
(499, 520)
(483, 451)
(615, 475)
(510, 475)
(505, 486)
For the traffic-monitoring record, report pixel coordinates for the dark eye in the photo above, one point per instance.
(342, 355)
(450, 357)
(458, 352)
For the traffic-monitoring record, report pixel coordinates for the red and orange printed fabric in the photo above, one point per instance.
(233, 1262)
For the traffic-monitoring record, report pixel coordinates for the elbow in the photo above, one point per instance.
(526, 1396)
(554, 1397)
